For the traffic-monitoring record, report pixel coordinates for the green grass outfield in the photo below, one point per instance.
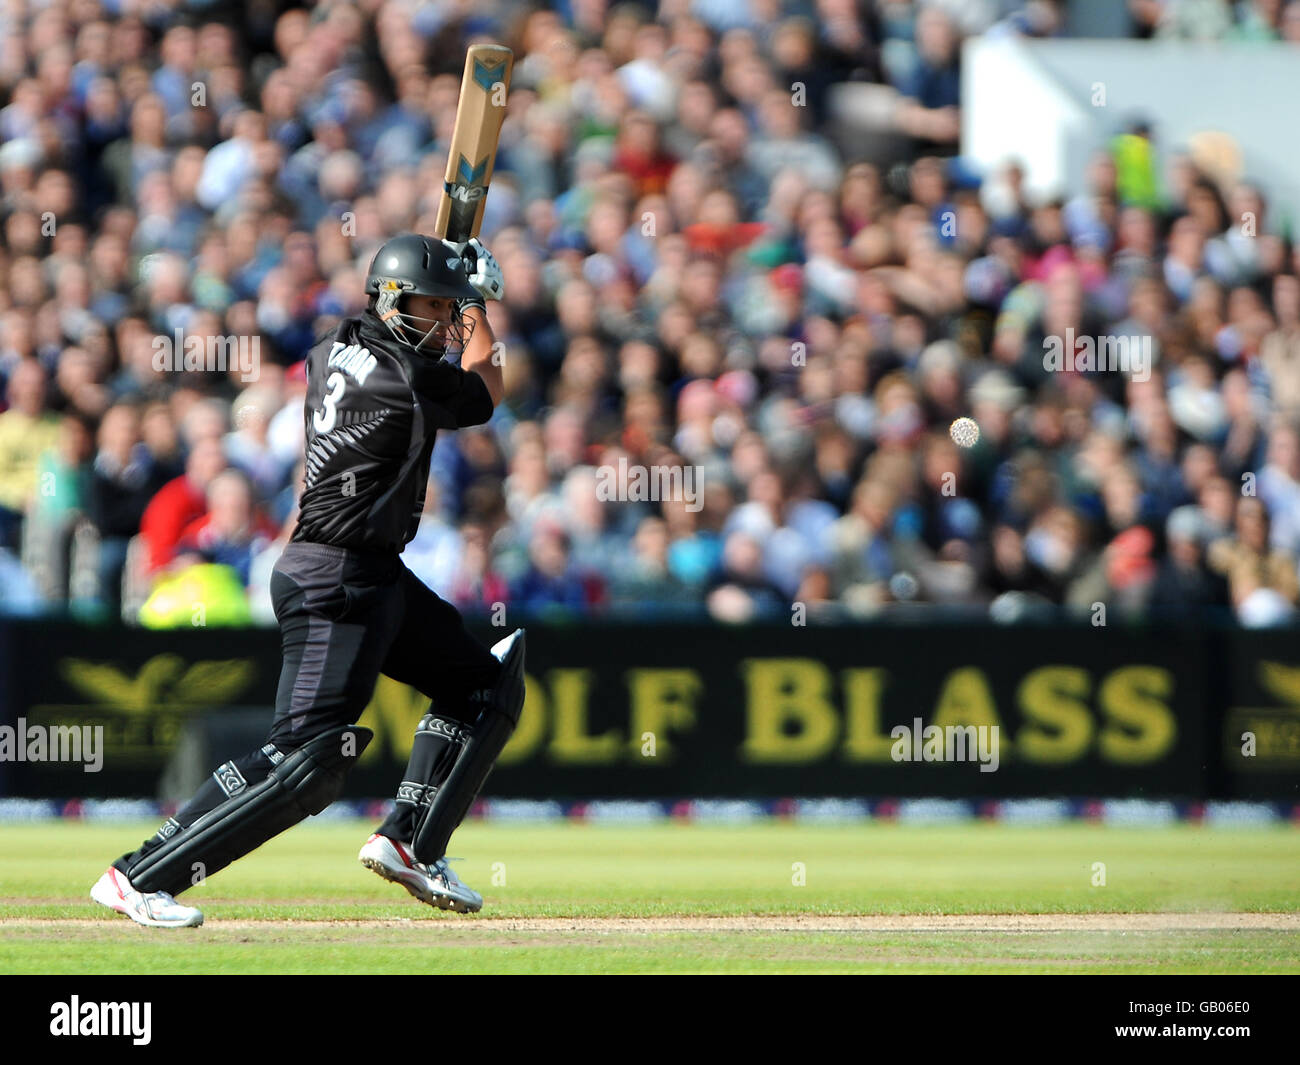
(689, 898)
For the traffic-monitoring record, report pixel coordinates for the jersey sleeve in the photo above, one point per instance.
(475, 401)
(462, 395)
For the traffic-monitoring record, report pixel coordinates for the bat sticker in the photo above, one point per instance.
(487, 76)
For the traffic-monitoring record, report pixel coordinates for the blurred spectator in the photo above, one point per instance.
(26, 431)
(1263, 583)
(124, 479)
(550, 579)
(642, 579)
(179, 504)
(64, 495)
(232, 531)
(863, 543)
(249, 447)
(703, 274)
(434, 555)
(1182, 581)
(932, 84)
(740, 592)
(476, 585)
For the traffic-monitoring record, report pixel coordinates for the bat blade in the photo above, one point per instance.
(473, 153)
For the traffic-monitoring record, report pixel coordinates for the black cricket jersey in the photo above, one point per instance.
(372, 412)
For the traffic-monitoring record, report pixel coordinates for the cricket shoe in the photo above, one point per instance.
(156, 909)
(435, 884)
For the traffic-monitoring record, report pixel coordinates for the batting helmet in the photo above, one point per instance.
(416, 265)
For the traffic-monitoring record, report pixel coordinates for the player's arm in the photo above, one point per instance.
(479, 351)
(481, 354)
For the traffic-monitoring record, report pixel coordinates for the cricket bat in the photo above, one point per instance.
(474, 138)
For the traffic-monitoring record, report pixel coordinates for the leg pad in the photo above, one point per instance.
(450, 802)
(300, 783)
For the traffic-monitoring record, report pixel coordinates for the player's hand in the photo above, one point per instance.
(481, 266)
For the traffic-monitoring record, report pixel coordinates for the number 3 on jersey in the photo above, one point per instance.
(324, 420)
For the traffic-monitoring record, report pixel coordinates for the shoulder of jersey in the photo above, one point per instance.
(382, 346)
(357, 356)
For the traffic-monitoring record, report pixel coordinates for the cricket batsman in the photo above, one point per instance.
(379, 389)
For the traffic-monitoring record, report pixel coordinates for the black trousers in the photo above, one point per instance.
(345, 617)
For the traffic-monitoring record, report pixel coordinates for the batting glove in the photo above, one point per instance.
(481, 267)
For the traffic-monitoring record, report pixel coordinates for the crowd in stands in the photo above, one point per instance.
(702, 270)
